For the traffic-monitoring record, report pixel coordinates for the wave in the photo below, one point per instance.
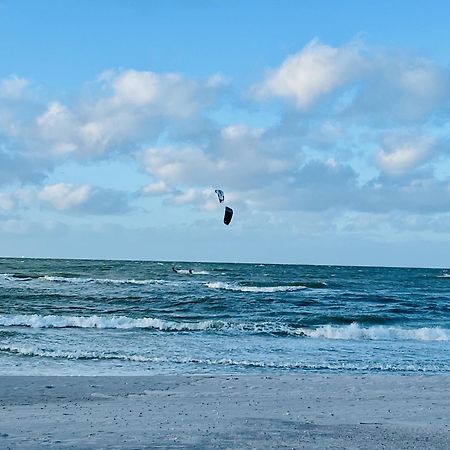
(17, 277)
(114, 322)
(33, 351)
(21, 276)
(356, 332)
(353, 331)
(444, 275)
(234, 287)
(76, 280)
(99, 280)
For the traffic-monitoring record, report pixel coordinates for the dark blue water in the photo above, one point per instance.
(136, 317)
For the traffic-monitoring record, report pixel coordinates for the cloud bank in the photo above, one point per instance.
(360, 132)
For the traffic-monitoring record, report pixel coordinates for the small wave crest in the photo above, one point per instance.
(76, 280)
(98, 280)
(33, 351)
(235, 287)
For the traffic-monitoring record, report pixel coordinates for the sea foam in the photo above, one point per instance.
(235, 287)
(34, 351)
(78, 280)
(115, 322)
(353, 331)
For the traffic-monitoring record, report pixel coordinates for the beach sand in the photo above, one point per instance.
(310, 411)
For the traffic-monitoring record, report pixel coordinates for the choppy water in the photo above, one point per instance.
(135, 317)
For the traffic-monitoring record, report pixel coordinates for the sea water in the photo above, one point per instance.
(85, 317)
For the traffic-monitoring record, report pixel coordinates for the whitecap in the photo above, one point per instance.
(234, 287)
(117, 322)
(355, 331)
(81, 280)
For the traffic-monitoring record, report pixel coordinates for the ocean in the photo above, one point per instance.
(86, 317)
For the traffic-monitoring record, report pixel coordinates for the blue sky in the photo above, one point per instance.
(326, 123)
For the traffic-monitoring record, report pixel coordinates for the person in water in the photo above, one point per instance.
(176, 271)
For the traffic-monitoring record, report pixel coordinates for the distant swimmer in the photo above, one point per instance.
(190, 271)
(175, 270)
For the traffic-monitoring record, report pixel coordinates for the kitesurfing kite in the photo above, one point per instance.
(220, 195)
(228, 211)
(228, 215)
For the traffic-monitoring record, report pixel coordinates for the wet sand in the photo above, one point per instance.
(305, 411)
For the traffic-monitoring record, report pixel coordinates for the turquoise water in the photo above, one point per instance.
(139, 317)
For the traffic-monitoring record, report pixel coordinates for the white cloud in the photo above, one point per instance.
(239, 159)
(402, 155)
(217, 81)
(134, 104)
(58, 127)
(122, 109)
(316, 70)
(158, 188)
(13, 88)
(168, 94)
(65, 196)
(314, 161)
(85, 199)
(174, 166)
(188, 197)
(239, 131)
(366, 83)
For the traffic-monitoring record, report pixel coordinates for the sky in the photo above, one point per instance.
(325, 123)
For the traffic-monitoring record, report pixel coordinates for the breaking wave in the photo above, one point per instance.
(353, 331)
(76, 280)
(33, 351)
(356, 332)
(98, 280)
(115, 322)
(233, 287)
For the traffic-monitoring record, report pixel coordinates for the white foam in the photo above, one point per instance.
(234, 287)
(117, 322)
(33, 351)
(356, 332)
(80, 280)
(353, 331)
(98, 280)
(29, 350)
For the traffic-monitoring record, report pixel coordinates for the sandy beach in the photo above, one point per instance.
(237, 411)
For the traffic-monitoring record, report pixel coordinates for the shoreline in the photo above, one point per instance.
(226, 411)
